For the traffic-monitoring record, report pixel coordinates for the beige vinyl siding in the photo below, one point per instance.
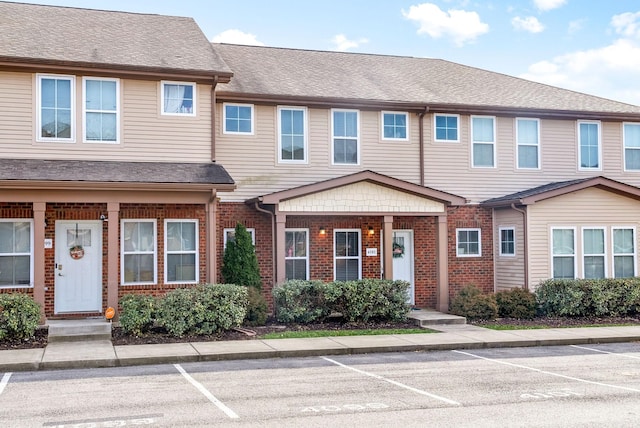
(145, 135)
(586, 208)
(252, 160)
(448, 165)
(509, 270)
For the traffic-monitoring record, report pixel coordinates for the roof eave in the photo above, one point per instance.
(119, 186)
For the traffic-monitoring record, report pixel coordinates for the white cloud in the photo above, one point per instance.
(609, 71)
(545, 5)
(530, 24)
(627, 24)
(237, 37)
(342, 44)
(462, 26)
(576, 25)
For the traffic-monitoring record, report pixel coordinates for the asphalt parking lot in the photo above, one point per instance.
(593, 385)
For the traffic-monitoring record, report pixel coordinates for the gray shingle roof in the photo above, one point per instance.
(265, 71)
(113, 172)
(517, 196)
(97, 38)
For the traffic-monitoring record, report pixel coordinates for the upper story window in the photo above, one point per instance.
(101, 109)
(528, 143)
(468, 243)
(55, 118)
(178, 98)
(483, 141)
(446, 127)
(181, 251)
(139, 252)
(238, 118)
(394, 126)
(16, 258)
(344, 125)
(631, 138)
(589, 145)
(292, 134)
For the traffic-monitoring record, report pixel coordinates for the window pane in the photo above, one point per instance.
(296, 269)
(623, 266)
(181, 236)
(563, 241)
(181, 267)
(6, 238)
(22, 243)
(593, 241)
(632, 135)
(507, 242)
(593, 267)
(15, 270)
(482, 154)
(138, 236)
(527, 132)
(623, 241)
(589, 145)
(563, 268)
(527, 157)
(93, 95)
(483, 129)
(138, 267)
(632, 159)
(346, 270)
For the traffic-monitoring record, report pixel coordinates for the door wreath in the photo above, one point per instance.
(76, 252)
(398, 250)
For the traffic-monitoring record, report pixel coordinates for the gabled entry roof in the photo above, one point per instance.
(551, 190)
(362, 177)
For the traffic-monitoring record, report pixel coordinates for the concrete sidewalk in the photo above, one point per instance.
(101, 353)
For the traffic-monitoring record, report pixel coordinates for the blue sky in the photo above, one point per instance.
(591, 47)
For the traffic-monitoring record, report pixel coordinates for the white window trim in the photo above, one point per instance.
(155, 250)
(513, 229)
(196, 251)
(396, 113)
(84, 110)
(493, 143)
(624, 147)
(72, 86)
(603, 255)
(335, 257)
(598, 124)
(575, 250)
(357, 112)
(224, 119)
(194, 87)
(435, 138)
(469, 229)
(635, 249)
(306, 251)
(518, 144)
(305, 160)
(227, 230)
(30, 254)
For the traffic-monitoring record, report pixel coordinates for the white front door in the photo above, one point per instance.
(78, 266)
(403, 260)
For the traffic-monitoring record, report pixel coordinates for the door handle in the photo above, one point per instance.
(59, 274)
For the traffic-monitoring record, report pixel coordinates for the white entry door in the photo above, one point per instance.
(78, 266)
(403, 262)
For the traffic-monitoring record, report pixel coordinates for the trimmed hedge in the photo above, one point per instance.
(472, 303)
(516, 303)
(19, 316)
(303, 302)
(138, 313)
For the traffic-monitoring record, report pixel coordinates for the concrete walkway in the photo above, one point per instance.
(101, 353)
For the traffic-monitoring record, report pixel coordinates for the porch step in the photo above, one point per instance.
(79, 330)
(430, 317)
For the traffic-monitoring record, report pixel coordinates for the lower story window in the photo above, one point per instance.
(507, 241)
(468, 243)
(624, 252)
(296, 254)
(181, 251)
(593, 253)
(16, 243)
(139, 257)
(347, 261)
(563, 253)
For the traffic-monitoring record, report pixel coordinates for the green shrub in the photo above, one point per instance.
(368, 299)
(516, 303)
(19, 316)
(562, 297)
(471, 303)
(257, 308)
(204, 309)
(240, 264)
(137, 313)
(303, 302)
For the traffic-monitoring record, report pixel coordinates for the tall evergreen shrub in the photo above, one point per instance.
(240, 264)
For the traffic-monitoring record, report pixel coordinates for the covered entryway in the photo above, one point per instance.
(404, 261)
(78, 266)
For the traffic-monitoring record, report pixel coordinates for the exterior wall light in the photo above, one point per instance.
(323, 231)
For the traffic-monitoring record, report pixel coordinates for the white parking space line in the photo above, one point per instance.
(393, 382)
(547, 372)
(4, 381)
(206, 393)
(606, 352)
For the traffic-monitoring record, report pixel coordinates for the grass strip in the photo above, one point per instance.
(333, 333)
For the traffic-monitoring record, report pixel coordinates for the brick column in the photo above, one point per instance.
(388, 247)
(442, 295)
(113, 254)
(39, 209)
(281, 220)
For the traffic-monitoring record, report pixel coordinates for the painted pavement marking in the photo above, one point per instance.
(4, 381)
(605, 352)
(548, 372)
(393, 382)
(206, 393)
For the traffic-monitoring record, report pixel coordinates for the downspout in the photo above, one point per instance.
(525, 244)
(421, 142)
(273, 240)
(213, 118)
